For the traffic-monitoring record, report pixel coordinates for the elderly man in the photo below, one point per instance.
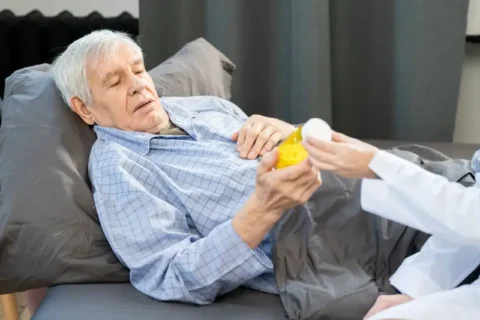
(182, 196)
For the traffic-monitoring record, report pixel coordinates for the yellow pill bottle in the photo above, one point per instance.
(291, 150)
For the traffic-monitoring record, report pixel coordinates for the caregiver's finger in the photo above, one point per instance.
(322, 166)
(326, 146)
(319, 154)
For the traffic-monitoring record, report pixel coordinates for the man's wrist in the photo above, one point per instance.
(256, 207)
(253, 222)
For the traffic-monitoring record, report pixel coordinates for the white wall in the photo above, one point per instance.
(108, 8)
(474, 17)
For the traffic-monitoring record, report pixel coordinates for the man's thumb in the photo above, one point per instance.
(268, 162)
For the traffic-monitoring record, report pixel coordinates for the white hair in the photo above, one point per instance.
(70, 68)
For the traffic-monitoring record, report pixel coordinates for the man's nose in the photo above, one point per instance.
(136, 86)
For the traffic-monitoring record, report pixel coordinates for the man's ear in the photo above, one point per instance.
(80, 108)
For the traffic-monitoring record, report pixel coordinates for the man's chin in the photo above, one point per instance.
(156, 127)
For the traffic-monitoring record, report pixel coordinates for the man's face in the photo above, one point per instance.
(124, 96)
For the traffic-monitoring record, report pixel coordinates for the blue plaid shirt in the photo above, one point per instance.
(166, 204)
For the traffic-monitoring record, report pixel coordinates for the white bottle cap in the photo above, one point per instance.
(318, 129)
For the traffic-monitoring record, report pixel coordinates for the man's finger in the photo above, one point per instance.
(241, 136)
(268, 162)
(242, 133)
(295, 172)
(250, 138)
(271, 143)
(303, 187)
(260, 142)
(235, 136)
(312, 187)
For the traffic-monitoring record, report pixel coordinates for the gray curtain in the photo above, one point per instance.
(374, 69)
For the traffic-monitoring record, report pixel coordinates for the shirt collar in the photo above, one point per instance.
(138, 142)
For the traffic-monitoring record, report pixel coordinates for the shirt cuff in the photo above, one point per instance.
(253, 261)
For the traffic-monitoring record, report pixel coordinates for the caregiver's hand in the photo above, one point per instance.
(260, 135)
(345, 156)
(384, 302)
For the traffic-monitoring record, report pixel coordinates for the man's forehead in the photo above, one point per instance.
(108, 67)
(119, 63)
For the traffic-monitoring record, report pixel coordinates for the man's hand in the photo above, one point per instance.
(275, 192)
(285, 188)
(345, 156)
(384, 302)
(260, 135)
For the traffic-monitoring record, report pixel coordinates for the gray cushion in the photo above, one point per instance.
(452, 150)
(197, 69)
(49, 229)
(123, 302)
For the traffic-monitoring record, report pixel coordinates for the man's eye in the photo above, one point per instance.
(139, 71)
(115, 83)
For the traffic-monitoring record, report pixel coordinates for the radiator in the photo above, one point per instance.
(34, 38)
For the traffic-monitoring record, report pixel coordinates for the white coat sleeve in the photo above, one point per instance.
(412, 196)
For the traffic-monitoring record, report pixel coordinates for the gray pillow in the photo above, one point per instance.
(49, 229)
(197, 69)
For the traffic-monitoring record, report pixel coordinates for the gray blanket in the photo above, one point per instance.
(332, 259)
